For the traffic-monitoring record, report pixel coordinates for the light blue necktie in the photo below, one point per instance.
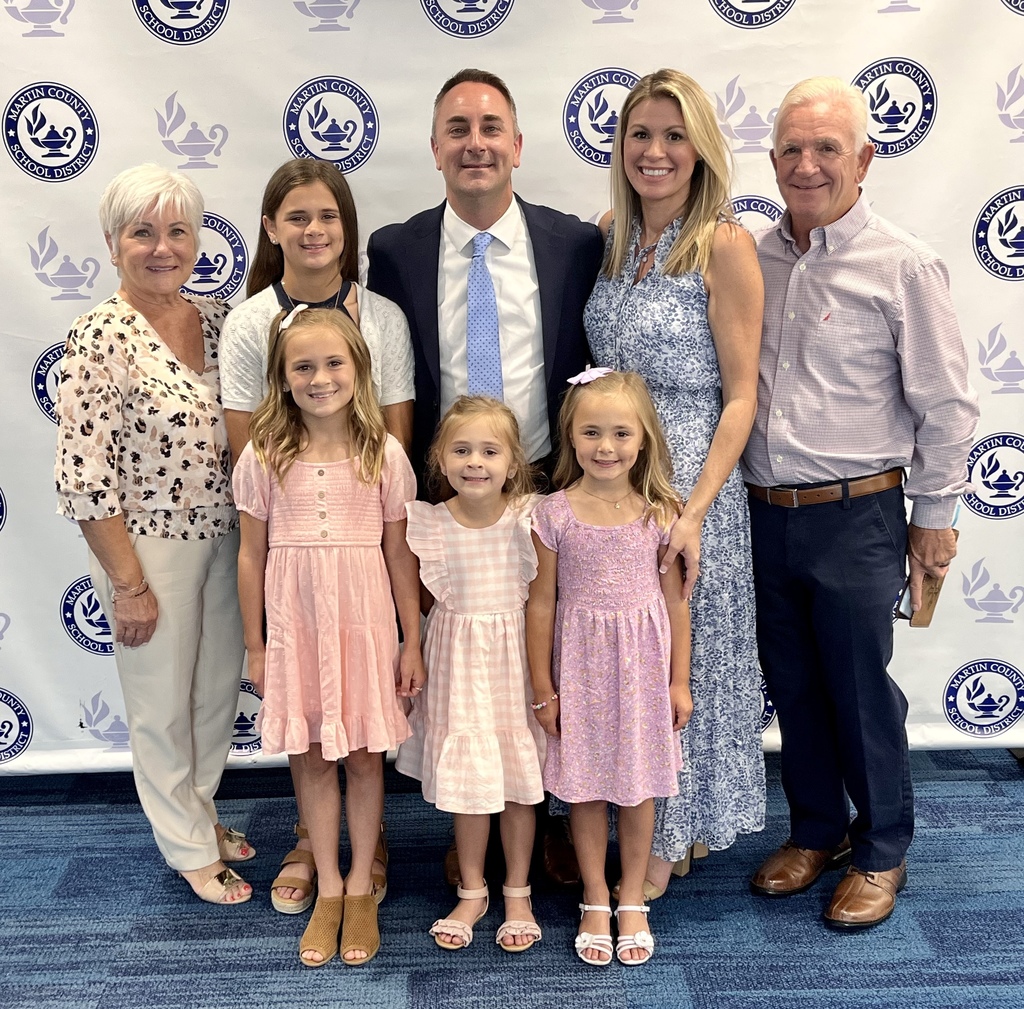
(483, 346)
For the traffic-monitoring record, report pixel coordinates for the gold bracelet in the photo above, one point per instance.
(544, 704)
(141, 589)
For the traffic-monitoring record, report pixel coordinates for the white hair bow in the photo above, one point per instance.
(290, 317)
(590, 375)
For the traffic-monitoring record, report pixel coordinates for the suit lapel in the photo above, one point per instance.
(423, 256)
(550, 279)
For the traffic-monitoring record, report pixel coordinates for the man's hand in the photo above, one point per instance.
(929, 552)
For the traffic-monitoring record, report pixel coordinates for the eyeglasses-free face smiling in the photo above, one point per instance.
(607, 437)
(308, 228)
(476, 461)
(156, 254)
(657, 154)
(320, 374)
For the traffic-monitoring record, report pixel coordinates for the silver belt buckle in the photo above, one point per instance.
(793, 502)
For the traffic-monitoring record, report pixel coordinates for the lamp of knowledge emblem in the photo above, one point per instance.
(1010, 101)
(45, 377)
(95, 719)
(467, 19)
(901, 104)
(611, 11)
(751, 13)
(195, 145)
(220, 269)
(1007, 372)
(999, 235)
(332, 119)
(752, 129)
(68, 277)
(984, 697)
(15, 726)
(995, 604)
(995, 466)
(181, 22)
(83, 618)
(591, 113)
(50, 132)
(42, 15)
(328, 13)
(245, 740)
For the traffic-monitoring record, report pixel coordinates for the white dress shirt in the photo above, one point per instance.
(513, 272)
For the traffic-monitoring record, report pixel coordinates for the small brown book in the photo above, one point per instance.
(930, 589)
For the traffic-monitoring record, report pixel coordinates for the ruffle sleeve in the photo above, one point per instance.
(250, 484)
(397, 481)
(423, 534)
(549, 520)
(526, 551)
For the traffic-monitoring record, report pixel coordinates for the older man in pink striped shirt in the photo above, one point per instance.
(863, 375)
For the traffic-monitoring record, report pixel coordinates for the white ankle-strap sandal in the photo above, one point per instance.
(635, 940)
(601, 941)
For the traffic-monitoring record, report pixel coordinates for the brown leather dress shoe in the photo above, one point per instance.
(863, 899)
(452, 872)
(559, 854)
(792, 870)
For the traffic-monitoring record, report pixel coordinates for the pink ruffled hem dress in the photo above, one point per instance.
(611, 661)
(475, 743)
(332, 641)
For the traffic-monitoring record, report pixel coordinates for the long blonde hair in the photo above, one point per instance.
(276, 428)
(651, 475)
(519, 482)
(708, 200)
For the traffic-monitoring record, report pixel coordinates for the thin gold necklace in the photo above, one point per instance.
(617, 504)
(321, 304)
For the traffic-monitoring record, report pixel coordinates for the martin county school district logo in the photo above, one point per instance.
(1006, 372)
(467, 19)
(327, 13)
(50, 132)
(220, 268)
(96, 718)
(591, 113)
(901, 104)
(999, 235)
(83, 618)
(181, 22)
(1010, 101)
(752, 129)
(332, 119)
(995, 604)
(1017, 6)
(67, 278)
(984, 697)
(45, 376)
(246, 739)
(995, 467)
(751, 13)
(15, 726)
(42, 15)
(194, 145)
(756, 213)
(767, 708)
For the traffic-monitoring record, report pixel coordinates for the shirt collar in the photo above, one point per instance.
(834, 236)
(506, 229)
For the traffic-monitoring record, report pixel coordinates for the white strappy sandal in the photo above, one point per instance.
(635, 940)
(452, 926)
(601, 941)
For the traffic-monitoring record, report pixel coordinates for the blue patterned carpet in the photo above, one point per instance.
(91, 919)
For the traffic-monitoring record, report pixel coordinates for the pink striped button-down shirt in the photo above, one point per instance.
(863, 368)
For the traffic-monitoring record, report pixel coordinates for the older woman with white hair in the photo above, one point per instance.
(143, 467)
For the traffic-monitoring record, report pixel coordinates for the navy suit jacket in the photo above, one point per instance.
(404, 261)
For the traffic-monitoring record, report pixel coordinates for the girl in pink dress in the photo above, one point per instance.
(474, 744)
(321, 489)
(608, 638)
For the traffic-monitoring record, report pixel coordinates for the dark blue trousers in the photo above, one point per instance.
(826, 577)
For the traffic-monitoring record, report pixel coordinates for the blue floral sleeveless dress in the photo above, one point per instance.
(659, 328)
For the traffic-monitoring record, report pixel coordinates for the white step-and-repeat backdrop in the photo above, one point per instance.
(228, 89)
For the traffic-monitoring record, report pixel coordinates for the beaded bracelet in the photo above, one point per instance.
(141, 589)
(544, 704)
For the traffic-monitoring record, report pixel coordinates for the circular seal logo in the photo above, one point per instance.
(767, 708)
(751, 13)
(245, 740)
(181, 22)
(83, 618)
(332, 119)
(50, 132)
(220, 268)
(995, 466)
(984, 697)
(15, 726)
(999, 234)
(45, 376)
(901, 104)
(1017, 6)
(756, 213)
(467, 19)
(591, 113)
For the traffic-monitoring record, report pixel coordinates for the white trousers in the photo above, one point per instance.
(181, 688)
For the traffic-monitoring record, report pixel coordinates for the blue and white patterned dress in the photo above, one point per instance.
(659, 328)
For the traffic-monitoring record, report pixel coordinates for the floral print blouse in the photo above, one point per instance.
(141, 434)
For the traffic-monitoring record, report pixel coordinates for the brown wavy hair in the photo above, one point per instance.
(268, 263)
(520, 480)
(276, 428)
(651, 475)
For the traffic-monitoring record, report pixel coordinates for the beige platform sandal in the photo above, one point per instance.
(307, 886)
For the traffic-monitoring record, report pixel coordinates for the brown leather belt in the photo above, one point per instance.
(794, 497)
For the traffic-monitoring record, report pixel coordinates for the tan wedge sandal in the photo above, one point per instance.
(360, 930)
(307, 886)
(321, 935)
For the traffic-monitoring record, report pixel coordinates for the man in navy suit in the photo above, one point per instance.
(542, 263)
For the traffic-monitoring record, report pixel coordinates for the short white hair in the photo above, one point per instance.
(148, 188)
(835, 92)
